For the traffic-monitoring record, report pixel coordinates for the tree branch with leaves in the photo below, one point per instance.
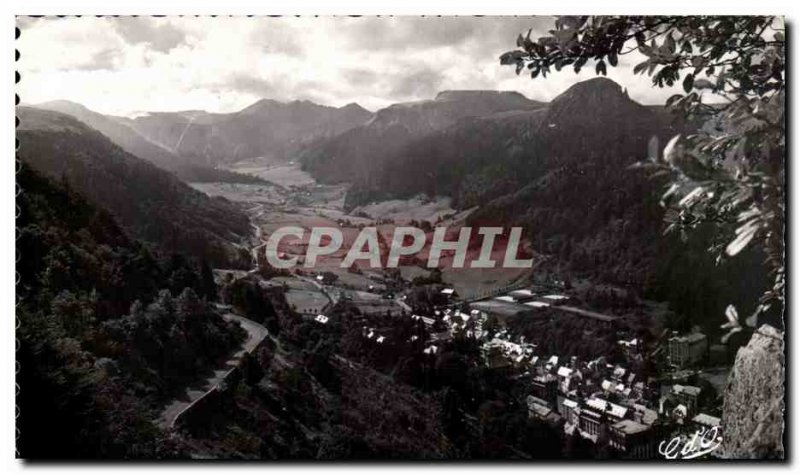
(730, 173)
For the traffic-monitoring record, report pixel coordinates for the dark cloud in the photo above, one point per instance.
(419, 53)
(328, 60)
(104, 60)
(161, 37)
(278, 88)
(424, 83)
(400, 33)
(403, 33)
(251, 85)
(361, 77)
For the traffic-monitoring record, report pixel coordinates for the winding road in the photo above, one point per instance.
(255, 334)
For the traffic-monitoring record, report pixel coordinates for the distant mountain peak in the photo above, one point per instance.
(598, 87)
(261, 104)
(598, 94)
(353, 106)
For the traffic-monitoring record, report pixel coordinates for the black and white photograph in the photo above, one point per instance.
(538, 239)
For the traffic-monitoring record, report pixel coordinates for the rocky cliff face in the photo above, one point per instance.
(753, 411)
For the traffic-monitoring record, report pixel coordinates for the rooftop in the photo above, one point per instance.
(707, 420)
(556, 297)
(564, 371)
(537, 304)
(630, 427)
(687, 389)
(522, 293)
(605, 406)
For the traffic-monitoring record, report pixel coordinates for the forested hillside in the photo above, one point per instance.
(107, 329)
(151, 204)
(363, 154)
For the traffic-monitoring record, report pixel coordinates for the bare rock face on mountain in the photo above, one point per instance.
(753, 412)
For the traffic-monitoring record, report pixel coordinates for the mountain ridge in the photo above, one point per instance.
(118, 130)
(266, 128)
(149, 202)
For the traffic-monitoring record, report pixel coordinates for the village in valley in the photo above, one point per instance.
(354, 238)
(604, 403)
(631, 391)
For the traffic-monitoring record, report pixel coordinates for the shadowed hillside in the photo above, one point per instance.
(150, 203)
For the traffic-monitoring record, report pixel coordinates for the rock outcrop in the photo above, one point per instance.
(753, 411)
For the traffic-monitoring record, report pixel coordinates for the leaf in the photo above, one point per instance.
(672, 190)
(732, 315)
(600, 68)
(612, 58)
(670, 151)
(752, 320)
(670, 43)
(731, 333)
(579, 63)
(511, 57)
(520, 40)
(673, 98)
(691, 197)
(746, 234)
(688, 82)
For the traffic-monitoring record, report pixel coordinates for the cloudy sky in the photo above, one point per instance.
(128, 65)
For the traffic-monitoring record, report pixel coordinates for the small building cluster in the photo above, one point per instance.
(607, 404)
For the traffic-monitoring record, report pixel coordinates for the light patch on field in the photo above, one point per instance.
(404, 210)
(237, 192)
(297, 200)
(303, 296)
(473, 282)
(306, 301)
(281, 173)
